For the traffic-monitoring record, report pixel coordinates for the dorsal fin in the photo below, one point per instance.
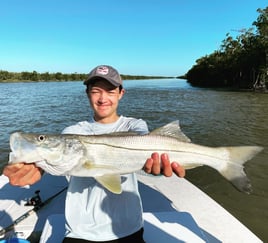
(172, 130)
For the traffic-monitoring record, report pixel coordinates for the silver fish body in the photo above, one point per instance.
(106, 157)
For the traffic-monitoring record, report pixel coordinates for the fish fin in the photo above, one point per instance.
(172, 130)
(99, 168)
(110, 182)
(234, 169)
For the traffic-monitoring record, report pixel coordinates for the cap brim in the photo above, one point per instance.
(88, 81)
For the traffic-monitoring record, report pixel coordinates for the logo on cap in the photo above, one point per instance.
(102, 70)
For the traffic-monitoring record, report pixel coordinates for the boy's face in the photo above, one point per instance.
(104, 99)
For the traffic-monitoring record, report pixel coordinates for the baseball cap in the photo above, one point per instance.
(105, 72)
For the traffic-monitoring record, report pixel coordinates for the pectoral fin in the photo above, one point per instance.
(110, 182)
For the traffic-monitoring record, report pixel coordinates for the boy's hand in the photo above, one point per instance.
(161, 165)
(21, 174)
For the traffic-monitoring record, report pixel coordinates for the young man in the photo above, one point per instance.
(92, 213)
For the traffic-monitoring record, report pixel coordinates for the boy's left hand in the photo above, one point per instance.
(161, 165)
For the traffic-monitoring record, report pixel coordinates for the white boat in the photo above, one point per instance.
(174, 211)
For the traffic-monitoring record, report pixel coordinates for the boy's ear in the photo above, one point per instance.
(122, 94)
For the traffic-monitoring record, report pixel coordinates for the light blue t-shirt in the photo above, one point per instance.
(92, 212)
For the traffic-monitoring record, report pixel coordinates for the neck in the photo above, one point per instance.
(106, 120)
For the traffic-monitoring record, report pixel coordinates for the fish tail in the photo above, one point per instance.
(234, 169)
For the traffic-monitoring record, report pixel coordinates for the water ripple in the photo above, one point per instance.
(208, 117)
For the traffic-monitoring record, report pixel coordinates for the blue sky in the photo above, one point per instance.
(138, 37)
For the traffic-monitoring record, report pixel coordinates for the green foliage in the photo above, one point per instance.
(34, 76)
(241, 62)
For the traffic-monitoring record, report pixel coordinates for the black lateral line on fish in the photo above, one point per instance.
(144, 149)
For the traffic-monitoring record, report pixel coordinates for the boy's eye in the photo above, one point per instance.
(94, 91)
(108, 92)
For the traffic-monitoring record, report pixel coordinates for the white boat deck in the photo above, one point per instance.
(217, 224)
(174, 210)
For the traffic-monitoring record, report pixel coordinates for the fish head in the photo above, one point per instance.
(31, 148)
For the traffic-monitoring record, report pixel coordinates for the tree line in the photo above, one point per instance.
(34, 76)
(25, 76)
(241, 62)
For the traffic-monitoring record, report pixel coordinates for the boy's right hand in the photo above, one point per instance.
(21, 174)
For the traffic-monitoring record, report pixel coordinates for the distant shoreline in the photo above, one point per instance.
(29, 77)
(39, 81)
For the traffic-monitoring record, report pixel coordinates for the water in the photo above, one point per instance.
(208, 117)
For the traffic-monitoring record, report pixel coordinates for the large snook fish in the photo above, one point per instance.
(106, 157)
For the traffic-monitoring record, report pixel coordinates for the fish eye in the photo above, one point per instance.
(41, 138)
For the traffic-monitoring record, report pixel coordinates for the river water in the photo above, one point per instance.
(208, 117)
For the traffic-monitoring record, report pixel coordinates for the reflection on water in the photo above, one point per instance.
(208, 117)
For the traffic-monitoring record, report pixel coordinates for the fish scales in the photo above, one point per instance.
(106, 157)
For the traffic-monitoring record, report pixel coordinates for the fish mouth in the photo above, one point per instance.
(21, 149)
(15, 141)
(14, 145)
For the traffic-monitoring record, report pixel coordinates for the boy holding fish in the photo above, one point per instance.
(93, 213)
